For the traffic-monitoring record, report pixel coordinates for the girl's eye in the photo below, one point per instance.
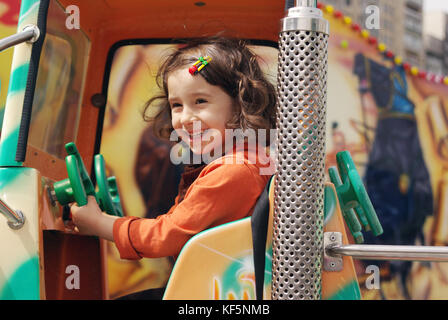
(201, 101)
(175, 105)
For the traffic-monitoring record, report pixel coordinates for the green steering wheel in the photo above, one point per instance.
(107, 194)
(355, 203)
(78, 185)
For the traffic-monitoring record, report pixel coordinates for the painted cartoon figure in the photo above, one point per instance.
(396, 178)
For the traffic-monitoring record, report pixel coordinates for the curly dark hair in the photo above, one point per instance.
(234, 68)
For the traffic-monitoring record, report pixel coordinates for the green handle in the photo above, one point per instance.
(74, 176)
(78, 185)
(355, 203)
(107, 195)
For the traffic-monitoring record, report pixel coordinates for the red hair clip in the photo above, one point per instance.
(199, 65)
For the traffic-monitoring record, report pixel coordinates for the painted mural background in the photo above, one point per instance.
(393, 121)
(9, 17)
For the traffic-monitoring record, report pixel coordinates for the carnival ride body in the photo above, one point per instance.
(68, 99)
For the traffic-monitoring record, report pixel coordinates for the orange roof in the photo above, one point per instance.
(124, 19)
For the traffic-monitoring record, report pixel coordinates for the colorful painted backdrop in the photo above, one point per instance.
(9, 15)
(392, 117)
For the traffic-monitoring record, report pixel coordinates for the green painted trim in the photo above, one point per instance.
(24, 283)
(8, 175)
(350, 292)
(329, 204)
(8, 146)
(2, 115)
(25, 7)
(8, 149)
(17, 81)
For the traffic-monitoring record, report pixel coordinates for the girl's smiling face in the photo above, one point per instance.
(199, 110)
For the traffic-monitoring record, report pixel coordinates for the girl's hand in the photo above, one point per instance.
(86, 217)
(91, 221)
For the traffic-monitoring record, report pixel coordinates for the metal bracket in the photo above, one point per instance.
(15, 218)
(334, 250)
(19, 224)
(52, 196)
(29, 34)
(332, 263)
(36, 32)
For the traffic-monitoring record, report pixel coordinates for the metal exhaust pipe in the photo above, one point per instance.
(299, 190)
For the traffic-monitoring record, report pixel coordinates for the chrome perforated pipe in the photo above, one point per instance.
(299, 190)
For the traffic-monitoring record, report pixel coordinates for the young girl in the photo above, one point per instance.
(210, 85)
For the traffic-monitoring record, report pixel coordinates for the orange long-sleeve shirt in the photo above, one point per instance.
(226, 190)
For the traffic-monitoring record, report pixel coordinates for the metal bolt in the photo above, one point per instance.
(17, 225)
(36, 32)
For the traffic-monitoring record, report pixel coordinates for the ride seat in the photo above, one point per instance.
(218, 263)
